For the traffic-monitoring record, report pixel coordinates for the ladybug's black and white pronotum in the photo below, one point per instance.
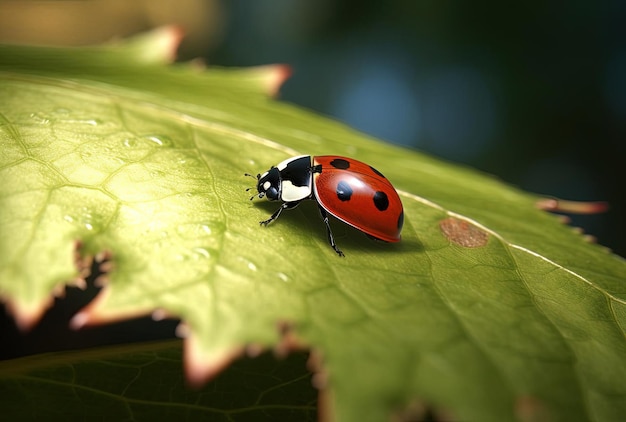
(353, 192)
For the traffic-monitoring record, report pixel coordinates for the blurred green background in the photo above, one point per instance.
(532, 92)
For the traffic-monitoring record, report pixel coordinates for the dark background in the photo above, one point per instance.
(532, 92)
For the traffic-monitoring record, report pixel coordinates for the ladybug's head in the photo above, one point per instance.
(268, 184)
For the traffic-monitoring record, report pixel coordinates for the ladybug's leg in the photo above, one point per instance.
(331, 239)
(285, 206)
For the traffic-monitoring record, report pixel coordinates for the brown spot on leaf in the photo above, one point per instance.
(530, 409)
(463, 233)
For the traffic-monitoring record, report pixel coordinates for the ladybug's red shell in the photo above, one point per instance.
(358, 195)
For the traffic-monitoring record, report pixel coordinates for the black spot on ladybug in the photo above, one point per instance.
(340, 163)
(401, 220)
(344, 191)
(377, 172)
(381, 201)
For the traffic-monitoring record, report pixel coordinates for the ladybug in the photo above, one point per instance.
(349, 190)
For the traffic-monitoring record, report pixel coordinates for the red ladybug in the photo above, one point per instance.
(353, 192)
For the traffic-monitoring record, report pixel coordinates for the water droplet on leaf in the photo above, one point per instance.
(161, 141)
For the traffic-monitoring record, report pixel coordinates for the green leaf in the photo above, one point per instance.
(145, 383)
(488, 309)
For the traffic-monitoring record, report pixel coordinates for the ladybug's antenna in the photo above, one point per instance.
(258, 176)
(253, 196)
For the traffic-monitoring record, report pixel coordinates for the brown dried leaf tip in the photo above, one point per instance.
(571, 207)
(289, 340)
(463, 233)
(84, 266)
